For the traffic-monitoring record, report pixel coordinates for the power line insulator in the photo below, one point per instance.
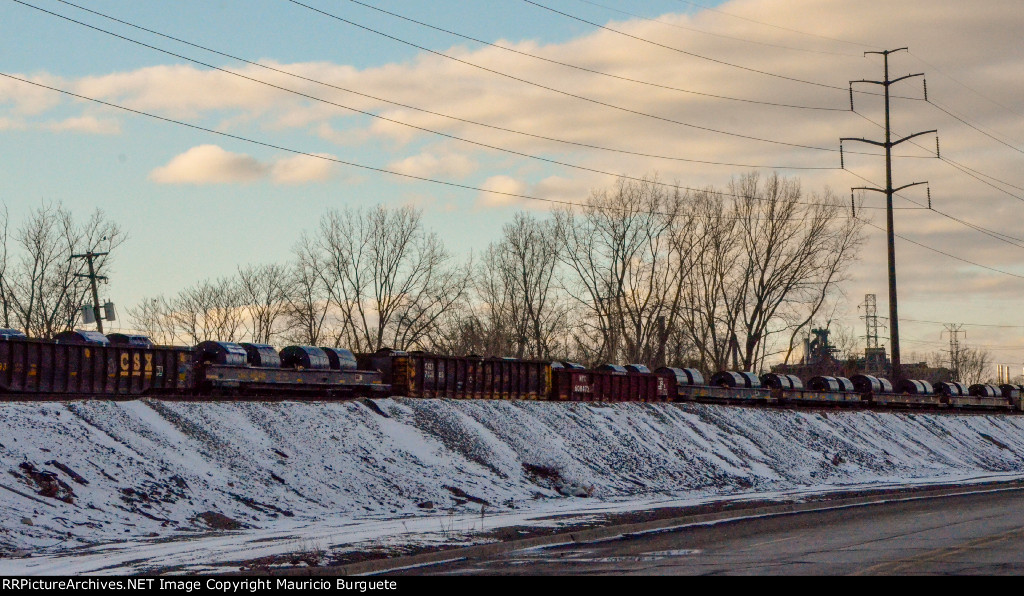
(842, 160)
(925, 81)
(851, 97)
(929, 197)
(853, 206)
(937, 154)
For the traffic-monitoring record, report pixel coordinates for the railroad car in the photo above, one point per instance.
(86, 364)
(687, 384)
(227, 369)
(822, 390)
(609, 382)
(420, 374)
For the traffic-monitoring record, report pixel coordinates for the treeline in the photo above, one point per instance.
(642, 272)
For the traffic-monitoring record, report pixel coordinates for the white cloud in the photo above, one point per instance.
(302, 168)
(431, 165)
(85, 124)
(501, 184)
(11, 124)
(209, 164)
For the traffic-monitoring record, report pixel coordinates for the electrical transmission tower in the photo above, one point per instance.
(888, 144)
(954, 347)
(874, 356)
(870, 320)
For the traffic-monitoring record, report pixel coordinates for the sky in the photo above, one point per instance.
(329, 93)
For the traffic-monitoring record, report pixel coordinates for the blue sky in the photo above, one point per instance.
(198, 205)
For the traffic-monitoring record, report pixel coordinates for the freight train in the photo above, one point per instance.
(89, 365)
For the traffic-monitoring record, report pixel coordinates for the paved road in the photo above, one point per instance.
(973, 534)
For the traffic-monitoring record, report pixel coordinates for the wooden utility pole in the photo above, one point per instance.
(888, 144)
(89, 256)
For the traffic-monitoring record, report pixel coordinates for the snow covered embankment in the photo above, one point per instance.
(91, 472)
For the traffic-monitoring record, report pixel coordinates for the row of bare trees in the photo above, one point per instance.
(42, 287)
(643, 272)
(647, 273)
(363, 280)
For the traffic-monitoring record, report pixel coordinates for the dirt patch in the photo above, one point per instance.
(264, 508)
(551, 478)
(71, 473)
(219, 521)
(995, 441)
(458, 493)
(46, 483)
(369, 403)
(544, 476)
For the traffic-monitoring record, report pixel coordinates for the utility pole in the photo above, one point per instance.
(89, 256)
(888, 144)
(954, 347)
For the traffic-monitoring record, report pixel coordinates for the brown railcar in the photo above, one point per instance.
(419, 374)
(42, 369)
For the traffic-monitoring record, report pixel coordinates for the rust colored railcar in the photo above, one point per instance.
(76, 366)
(420, 374)
(607, 385)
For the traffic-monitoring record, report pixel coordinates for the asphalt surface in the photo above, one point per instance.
(968, 534)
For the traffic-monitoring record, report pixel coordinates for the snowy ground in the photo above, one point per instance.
(182, 486)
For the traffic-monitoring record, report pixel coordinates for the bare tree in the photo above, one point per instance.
(308, 299)
(6, 296)
(975, 365)
(263, 293)
(520, 310)
(389, 279)
(210, 310)
(715, 266)
(152, 318)
(627, 256)
(795, 252)
(44, 290)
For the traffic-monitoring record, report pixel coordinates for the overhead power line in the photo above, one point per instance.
(1006, 238)
(967, 324)
(973, 126)
(591, 70)
(721, 35)
(561, 91)
(971, 172)
(404, 105)
(682, 51)
(701, 56)
(346, 162)
(952, 256)
(308, 96)
(965, 85)
(749, 20)
(412, 107)
(401, 174)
